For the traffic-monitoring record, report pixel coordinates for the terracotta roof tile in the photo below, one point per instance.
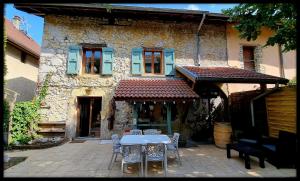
(154, 89)
(19, 38)
(228, 75)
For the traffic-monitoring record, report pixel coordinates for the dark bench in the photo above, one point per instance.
(245, 151)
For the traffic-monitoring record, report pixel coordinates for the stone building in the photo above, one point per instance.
(117, 67)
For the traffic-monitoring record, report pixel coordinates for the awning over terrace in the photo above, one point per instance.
(154, 90)
(228, 75)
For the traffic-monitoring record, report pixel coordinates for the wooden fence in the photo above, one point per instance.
(281, 111)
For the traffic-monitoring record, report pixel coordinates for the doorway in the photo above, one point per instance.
(89, 116)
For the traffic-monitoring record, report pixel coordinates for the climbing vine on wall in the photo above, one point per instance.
(25, 116)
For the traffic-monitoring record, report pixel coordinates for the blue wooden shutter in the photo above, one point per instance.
(136, 61)
(74, 58)
(107, 61)
(169, 61)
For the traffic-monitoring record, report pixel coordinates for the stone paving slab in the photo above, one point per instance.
(91, 159)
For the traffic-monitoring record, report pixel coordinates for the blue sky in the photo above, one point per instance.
(35, 24)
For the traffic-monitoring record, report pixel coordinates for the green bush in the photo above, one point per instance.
(293, 81)
(6, 115)
(25, 116)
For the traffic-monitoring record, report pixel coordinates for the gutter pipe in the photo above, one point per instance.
(198, 40)
(257, 97)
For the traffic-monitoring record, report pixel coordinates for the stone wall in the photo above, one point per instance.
(62, 31)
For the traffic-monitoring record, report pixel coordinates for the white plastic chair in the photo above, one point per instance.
(132, 154)
(173, 147)
(155, 152)
(136, 132)
(116, 149)
(151, 132)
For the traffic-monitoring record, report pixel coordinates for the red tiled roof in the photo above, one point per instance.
(228, 75)
(20, 39)
(154, 89)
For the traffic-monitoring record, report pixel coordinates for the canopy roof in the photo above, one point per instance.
(154, 90)
(227, 75)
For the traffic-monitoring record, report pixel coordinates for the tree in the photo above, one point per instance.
(279, 17)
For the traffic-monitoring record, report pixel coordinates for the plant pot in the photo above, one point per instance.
(222, 134)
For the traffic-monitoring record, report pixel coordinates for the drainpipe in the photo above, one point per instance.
(257, 97)
(281, 61)
(198, 40)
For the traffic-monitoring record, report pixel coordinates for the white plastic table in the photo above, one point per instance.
(145, 139)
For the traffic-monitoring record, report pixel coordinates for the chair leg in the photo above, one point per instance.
(179, 157)
(122, 167)
(116, 156)
(110, 163)
(142, 168)
(146, 168)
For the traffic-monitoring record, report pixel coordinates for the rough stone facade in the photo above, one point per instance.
(62, 31)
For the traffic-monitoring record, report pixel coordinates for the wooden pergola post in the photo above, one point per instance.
(169, 125)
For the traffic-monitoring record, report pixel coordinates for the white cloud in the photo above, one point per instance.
(193, 7)
(212, 5)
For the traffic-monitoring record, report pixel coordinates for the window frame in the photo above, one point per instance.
(153, 50)
(250, 61)
(84, 49)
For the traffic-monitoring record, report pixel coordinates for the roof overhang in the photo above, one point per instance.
(154, 90)
(227, 75)
(98, 9)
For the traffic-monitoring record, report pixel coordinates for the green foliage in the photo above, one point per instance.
(293, 81)
(25, 116)
(279, 17)
(6, 115)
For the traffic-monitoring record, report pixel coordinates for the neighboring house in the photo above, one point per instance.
(252, 55)
(129, 66)
(22, 60)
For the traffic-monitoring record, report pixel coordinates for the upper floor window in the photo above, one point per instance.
(92, 60)
(153, 61)
(248, 57)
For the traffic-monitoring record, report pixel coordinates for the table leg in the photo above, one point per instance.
(247, 161)
(228, 150)
(166, 160)
(262, 162)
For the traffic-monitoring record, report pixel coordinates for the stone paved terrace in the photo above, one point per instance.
(91, 159)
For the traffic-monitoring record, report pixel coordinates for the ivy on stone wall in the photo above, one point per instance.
(26, 116)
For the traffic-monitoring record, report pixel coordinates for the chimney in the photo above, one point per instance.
(16, 22)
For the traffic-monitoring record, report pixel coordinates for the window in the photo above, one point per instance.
(153, 61)
(248, 57)
(92, 59)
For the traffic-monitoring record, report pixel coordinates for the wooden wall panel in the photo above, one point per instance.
(281, 111)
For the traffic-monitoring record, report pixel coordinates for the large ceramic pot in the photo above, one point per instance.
(222, 134)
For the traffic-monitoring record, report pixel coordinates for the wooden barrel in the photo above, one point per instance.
(222, 134)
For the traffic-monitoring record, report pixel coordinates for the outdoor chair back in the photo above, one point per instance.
(151, 132)
(132, 154)
(136, 132)
(173, 146)
(116, 149)
(155, 152)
